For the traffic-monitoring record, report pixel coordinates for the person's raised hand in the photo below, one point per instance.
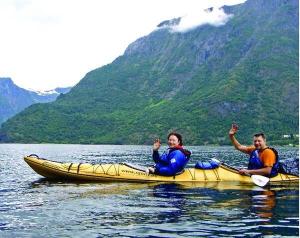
(233, 130)
(156, 144)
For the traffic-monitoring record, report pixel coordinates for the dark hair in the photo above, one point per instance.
(260, 134)
(179, 137)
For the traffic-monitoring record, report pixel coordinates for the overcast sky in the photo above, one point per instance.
(46, 44)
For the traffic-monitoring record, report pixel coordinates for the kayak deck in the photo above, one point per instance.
(127, 173)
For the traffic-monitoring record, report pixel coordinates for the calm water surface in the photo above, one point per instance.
(34, 207)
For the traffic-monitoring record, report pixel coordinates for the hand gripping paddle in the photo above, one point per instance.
(259, 180)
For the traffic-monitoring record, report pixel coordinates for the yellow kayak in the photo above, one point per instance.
(131, 173)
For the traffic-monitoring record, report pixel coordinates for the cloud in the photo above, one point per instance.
(212, 16)
(49, 43)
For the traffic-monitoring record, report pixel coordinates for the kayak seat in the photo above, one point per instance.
(178, 173)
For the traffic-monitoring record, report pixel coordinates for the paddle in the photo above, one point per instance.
(259, 180)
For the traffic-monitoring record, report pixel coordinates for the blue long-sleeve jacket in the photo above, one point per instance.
(171, 161)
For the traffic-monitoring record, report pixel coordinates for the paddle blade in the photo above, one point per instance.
(260, 180)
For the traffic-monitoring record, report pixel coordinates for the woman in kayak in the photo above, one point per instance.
(173, 160)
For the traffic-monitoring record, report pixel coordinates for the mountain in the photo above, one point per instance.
(196, 82)
(14, 99)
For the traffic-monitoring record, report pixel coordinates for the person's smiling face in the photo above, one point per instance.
(173, 141)
(259, 142)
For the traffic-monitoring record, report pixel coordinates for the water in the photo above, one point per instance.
(34, 207)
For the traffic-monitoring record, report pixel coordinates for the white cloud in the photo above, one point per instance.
(215, 17)
(46, 44)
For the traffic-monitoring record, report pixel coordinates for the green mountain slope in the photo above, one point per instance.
(196, 83)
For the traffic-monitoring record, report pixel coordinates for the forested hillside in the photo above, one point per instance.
(196, 82)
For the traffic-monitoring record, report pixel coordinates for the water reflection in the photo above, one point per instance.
(240, 208)
(263, 203)
(174, 199)
(178, 197)
(156, 209)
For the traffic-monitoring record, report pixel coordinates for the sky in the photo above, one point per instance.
(46, 44)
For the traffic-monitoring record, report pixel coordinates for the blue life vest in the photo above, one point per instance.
(256, 163)
(171, 162)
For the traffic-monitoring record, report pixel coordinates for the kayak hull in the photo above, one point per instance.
(128, 173)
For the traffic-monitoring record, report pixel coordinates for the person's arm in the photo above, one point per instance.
(268, 158)
(235, 142)
(264, 171)
(155, 154)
